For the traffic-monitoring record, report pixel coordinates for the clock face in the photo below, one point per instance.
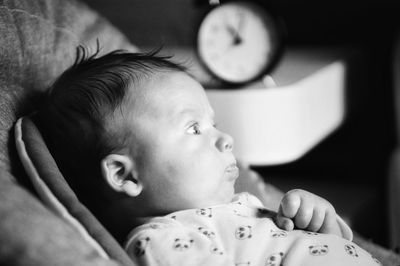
(237, 42)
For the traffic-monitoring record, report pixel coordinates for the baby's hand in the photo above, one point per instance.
(304, 210)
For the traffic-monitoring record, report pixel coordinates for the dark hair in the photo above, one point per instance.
(73, 116)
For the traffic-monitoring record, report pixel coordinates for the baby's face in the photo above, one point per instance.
(183, 160)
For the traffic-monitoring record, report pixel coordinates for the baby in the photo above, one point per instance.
(135, 137)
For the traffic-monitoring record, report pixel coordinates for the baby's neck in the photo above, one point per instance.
(120, 218)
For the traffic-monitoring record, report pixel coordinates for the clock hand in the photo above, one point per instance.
(241, 21)
(235, 35)
(237, 40)
(231, 30)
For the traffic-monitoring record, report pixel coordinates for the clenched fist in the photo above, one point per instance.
(304, 210)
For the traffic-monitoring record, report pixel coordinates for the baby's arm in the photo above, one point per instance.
(304, 210)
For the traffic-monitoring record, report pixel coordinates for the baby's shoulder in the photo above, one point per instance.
(155, 226)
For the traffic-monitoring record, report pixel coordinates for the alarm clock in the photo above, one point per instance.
(239, 42)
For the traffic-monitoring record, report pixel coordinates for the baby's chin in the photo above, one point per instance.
(226, 196)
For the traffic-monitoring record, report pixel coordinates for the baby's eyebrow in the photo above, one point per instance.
(182, 114)
(185, 112)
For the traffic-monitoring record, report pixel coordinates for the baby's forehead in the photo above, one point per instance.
(142, 96)
(143, 91)
(164, 91)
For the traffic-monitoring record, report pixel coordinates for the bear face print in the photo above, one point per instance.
(310, 233)
(278, 233)
(204, 212)
(318, 250)
(216, 250)
(140, 246)
(243, 232)
(239, 213)
(182, 244)
(207, 232)
(275, 259)
(351, 250)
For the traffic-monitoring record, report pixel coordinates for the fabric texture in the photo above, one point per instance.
(32, 235)
(239, 233)
(38, 41)
(56, 193)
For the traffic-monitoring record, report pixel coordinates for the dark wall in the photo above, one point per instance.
(340, 21)
(152, 22)
(174, 22)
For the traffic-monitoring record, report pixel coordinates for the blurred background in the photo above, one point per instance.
(350, 166)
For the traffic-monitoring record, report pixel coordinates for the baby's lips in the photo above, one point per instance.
(232, 171)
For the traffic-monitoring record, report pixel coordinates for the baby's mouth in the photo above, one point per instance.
(232, 171)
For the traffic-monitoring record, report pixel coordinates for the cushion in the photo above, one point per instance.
(38, 41)
(56, 194)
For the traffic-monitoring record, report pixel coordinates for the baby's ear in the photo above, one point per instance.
(119, 171)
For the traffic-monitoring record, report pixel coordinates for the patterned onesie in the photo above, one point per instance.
(240, 233)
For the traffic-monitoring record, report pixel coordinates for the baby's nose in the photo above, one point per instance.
(225, 143)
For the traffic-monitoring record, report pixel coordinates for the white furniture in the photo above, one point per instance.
(275, 125)
(280, 124)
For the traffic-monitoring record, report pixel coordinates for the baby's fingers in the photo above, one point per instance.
(290, 204)
(317, 220)
(283, 222)
(305, 213)
(330, 225)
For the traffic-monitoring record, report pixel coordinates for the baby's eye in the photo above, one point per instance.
(194, 129)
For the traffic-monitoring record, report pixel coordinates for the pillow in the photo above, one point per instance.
(57, 195)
